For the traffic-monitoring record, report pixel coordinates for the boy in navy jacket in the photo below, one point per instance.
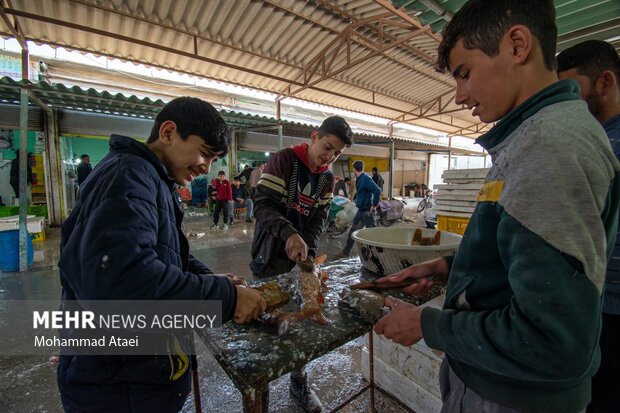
(124, 241)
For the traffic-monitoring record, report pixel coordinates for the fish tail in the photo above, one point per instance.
(315, 314)
(319, 318)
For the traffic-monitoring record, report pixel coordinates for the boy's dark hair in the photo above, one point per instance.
(591, 58)
(482, 24)
(84, 156)
(236, 178)
(337, 126)
(347, 179)
(194, 116)
(221, 173)
(375, 169)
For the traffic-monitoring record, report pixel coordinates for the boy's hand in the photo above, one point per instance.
(422, 276)
(234, 279)
(402, 324)
(296, 248)
(250, 305)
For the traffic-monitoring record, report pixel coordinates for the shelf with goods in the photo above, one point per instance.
(38, 180)
(456, 198)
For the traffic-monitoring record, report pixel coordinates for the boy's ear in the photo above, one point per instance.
(520, 41)
(166, 131)
(606, 82)
(314, 135)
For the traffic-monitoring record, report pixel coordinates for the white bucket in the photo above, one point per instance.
(389, 250)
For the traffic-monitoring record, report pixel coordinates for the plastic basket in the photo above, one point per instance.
(456, 225)
(38, 236)
(38, 210)
(9, 211)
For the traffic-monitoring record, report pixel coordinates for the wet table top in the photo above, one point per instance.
(253, 354)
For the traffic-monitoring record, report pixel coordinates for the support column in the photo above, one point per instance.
(280, 133)
(449, 152)
(23, 184)
(23, 161)
(25, 61)
(392, 155)
(53, 179)
(233, 153)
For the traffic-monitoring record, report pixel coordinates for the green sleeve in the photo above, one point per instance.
(549, 328)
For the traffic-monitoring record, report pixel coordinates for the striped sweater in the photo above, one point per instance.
(289, 199)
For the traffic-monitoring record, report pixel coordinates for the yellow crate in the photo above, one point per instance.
(456, 225)
(38, 236)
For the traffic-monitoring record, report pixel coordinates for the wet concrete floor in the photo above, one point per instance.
(28, 383)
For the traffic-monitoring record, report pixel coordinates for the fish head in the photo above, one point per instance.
(310, 264)
(306, 265)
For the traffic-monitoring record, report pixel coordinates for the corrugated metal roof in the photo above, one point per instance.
(577, 20)
(59, 96)
(359, 55)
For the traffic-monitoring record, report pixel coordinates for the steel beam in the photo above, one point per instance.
(13, 27)
(323, 63)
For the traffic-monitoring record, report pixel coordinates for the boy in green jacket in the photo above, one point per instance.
(521, 320)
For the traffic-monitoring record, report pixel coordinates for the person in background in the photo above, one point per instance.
(241, 199)
(254, 177)
(377, 178)
(595, 65)
(83, 169)
(14, 178)
(293, 197)
(340, 188)
(367, 196)
(521, 321)
(124, 240)
(223, 199)
(244, 176)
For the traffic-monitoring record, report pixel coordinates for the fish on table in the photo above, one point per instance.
(365, 298)
(367, 304)
(309, 287)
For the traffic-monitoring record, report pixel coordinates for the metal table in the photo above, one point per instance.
(253, 355)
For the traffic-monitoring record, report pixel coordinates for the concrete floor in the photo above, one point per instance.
(28, 384)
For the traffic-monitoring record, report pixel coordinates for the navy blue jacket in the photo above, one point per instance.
(124, 241)
(367, 193)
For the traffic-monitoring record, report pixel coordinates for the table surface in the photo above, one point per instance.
(253, 354)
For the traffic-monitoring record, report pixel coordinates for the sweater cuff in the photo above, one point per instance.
(287, 232)
(234, 306)
(429, 322)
